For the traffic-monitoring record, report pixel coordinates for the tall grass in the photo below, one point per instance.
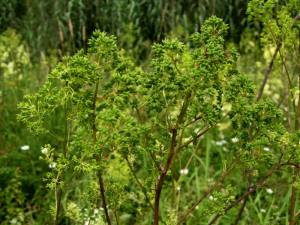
(44, 23)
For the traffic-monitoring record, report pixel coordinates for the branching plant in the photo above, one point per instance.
(115, 114)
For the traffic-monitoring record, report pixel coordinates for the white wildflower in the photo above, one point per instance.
(211, 198)
(185, 171)
(266, 149)
(263, 210)
(234, 140)
(197, 207)
(52, 165)
(14, 221)
(101, 208)
(178, 188)
(224, 142)
(219, 143)
(25, 147)
(270, 191)
(96, 211)
(44, 150)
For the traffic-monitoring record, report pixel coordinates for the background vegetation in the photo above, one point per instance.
(36, 35)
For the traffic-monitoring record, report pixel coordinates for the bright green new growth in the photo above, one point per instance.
(282, 33)
(115, 113)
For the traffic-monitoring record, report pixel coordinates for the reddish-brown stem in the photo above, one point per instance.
(260, 184)
(208, 191)
(163, 173)
(162, 177)
(281, 55)
(267, 74)
(245, 200)
(116, 217)
(287, 100)
(103, 196)
(102, 191)
(196, 119)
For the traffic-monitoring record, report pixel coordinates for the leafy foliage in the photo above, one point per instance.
(176, 140)
(113, 111)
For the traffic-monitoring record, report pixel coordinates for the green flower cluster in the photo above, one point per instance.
(113, 111)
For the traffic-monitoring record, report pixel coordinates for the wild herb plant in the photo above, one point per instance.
(115, 113)
(282, 32)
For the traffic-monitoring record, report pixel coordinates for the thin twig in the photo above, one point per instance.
(196, 119)
(199, 135)
(278, 184)
(116, 216)
(267, 74)
(207, 192)
(97, 158)
(103, 196)
(139, 183)
(287, 100)
(170, 158)
(245, 200)
(260, 184)
(188, 161)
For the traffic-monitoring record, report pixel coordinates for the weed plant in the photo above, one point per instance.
(184, 141)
